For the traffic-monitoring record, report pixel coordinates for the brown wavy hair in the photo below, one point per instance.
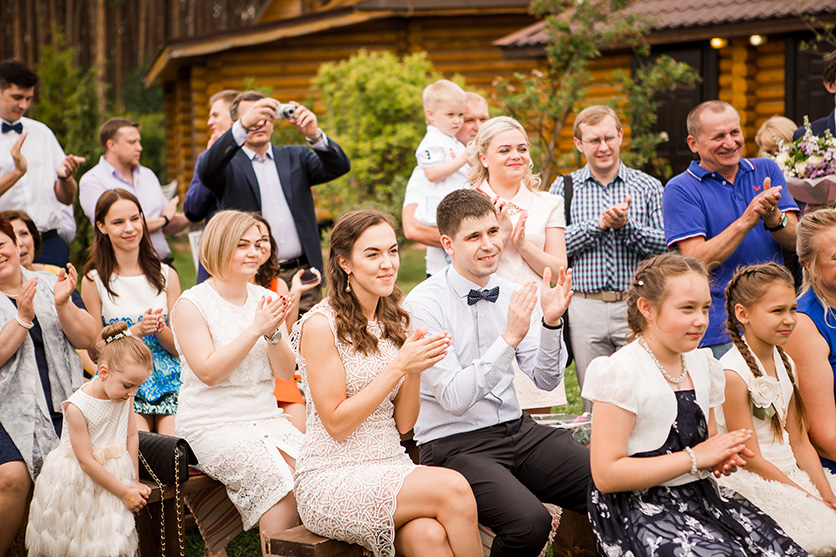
(352, 325)
(748, 286)
(270, 269)
(651, 283)
(103, 260)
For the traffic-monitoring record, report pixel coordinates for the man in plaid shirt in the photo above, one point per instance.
(615, 221)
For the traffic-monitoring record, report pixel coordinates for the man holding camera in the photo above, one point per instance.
(246, 172)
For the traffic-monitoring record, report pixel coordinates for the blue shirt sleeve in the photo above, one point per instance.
(684, 214)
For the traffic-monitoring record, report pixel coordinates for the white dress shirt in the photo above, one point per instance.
(472, 387)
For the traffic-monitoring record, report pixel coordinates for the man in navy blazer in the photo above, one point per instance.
(246, 172)
(828, 122)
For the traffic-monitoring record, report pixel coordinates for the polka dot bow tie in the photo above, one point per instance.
(490, 295)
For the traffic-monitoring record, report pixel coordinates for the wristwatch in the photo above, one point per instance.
(316, 138)
(782, 223)
(274, 340)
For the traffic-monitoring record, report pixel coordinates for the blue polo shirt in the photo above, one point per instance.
(702, 203)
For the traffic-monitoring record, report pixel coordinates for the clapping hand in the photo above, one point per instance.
(555, 301)
(270, 313)
(420, 352)
(518, 235)
(522, 304)
(151, 322)
(67, 279)
(616, 216)
(17, 156)
(722, 453)
(25, 304)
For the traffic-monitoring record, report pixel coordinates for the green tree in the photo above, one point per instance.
(68, 104)
(577, 32)
(373, 107)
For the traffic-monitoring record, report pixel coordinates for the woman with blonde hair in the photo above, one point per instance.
(813, 343)
(532, 222)
(228, 333)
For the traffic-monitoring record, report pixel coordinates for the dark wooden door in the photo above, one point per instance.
(805, 92)
(675, 106)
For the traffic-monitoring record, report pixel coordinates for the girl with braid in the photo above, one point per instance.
(784, 477)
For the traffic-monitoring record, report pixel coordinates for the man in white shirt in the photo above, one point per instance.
(470, 418)
(35, 175)
(119, 168)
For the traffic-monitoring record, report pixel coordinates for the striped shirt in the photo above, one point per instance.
(607, 259)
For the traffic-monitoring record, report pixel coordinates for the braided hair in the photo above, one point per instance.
(748, 286)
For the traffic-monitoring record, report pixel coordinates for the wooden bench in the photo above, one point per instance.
(299, 542)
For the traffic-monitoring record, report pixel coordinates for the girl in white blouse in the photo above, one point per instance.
(651, 454)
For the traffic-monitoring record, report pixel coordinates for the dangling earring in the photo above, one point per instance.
(347, 283)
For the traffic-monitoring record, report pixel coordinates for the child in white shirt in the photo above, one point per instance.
(440, 155)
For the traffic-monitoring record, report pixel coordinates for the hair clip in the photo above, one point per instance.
(117, 336)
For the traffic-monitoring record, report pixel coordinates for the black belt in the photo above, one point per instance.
(294, 263)
(48, 234)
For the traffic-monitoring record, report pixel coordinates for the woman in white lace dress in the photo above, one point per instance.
(362, 374)
(229, 333)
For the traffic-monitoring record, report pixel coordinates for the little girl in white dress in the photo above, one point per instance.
(87, 490)
(785, 477)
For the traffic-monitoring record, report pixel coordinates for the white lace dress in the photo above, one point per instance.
(235, 427)
(810, 522)
(70, 513)
(347, 490)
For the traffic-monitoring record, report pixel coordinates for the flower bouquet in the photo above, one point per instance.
(809, 165)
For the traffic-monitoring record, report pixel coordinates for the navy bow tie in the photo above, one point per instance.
(490, 295)
(17, 127)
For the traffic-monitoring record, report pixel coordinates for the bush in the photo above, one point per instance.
(373, 108)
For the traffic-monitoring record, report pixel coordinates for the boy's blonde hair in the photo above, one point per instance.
(441, 92)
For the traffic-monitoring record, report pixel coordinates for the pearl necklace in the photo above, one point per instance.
(674, 380)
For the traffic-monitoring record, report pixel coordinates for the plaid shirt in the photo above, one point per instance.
(606, 259)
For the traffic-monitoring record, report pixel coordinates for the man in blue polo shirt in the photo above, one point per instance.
(726, 210)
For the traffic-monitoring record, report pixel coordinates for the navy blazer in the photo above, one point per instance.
(228, 173)
(818, 127)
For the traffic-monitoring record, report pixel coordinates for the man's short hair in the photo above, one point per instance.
(472, 97)
(442, 91)
(829, 71)
(693, 123)
(592, 115)
(244, 96)
(227, 95)
(15, 72)
(110, 129)
(459, 205)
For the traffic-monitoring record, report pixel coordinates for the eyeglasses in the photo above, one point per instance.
(597, 141)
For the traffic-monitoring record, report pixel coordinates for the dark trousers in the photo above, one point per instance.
(513, 468)
(55, 250)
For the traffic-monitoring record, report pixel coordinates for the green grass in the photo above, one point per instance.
(412, 272)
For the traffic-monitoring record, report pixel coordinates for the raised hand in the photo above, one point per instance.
(67, 279)
(722, 448)
(555, 301)
(69, 166)
(619, 213)
(25, 304)
(506, 227)
(522, 304)
(149, 323)
(420, 352)
(270, 313)
(518, 235)
(305, 121)
(17, 157)
(171, 207)
(296, 284)
(262, 111)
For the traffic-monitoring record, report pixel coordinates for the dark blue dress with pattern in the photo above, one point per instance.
(695, 519)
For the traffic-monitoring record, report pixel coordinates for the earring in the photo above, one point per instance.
(347, 283)
(484, 164)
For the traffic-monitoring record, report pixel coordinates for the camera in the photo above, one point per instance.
(285, 111)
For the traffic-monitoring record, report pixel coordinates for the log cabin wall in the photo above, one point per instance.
(457, 44)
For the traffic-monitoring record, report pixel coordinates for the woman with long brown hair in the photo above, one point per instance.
(124, 280)
(362, 370)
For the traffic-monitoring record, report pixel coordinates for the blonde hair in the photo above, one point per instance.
(220, 240)
(441, 92)
(652, 282)
(471, 97)
(118, 348)
(591, 115)
(490, 129)
(749, 286)
(775, 128)
(808, 230)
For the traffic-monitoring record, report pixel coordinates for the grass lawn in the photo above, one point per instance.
(412, 272)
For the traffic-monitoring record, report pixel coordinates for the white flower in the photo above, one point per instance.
(800, 167)
(815, 160)
(764, 390)
(782, 158)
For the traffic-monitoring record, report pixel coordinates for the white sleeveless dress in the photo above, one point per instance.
(348, 490)
(236, 427)
(70, 513)
(810, 522)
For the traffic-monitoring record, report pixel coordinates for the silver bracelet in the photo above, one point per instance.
(23, 323)
(690, 452)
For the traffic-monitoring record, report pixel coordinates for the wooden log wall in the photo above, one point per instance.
(454, 44)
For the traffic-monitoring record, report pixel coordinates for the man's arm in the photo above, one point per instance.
(21, 166)
(416, 231)
(213, 167)
(582, 235)
(199, 200)
(66, 187)
(649, 239)
(324, 165)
